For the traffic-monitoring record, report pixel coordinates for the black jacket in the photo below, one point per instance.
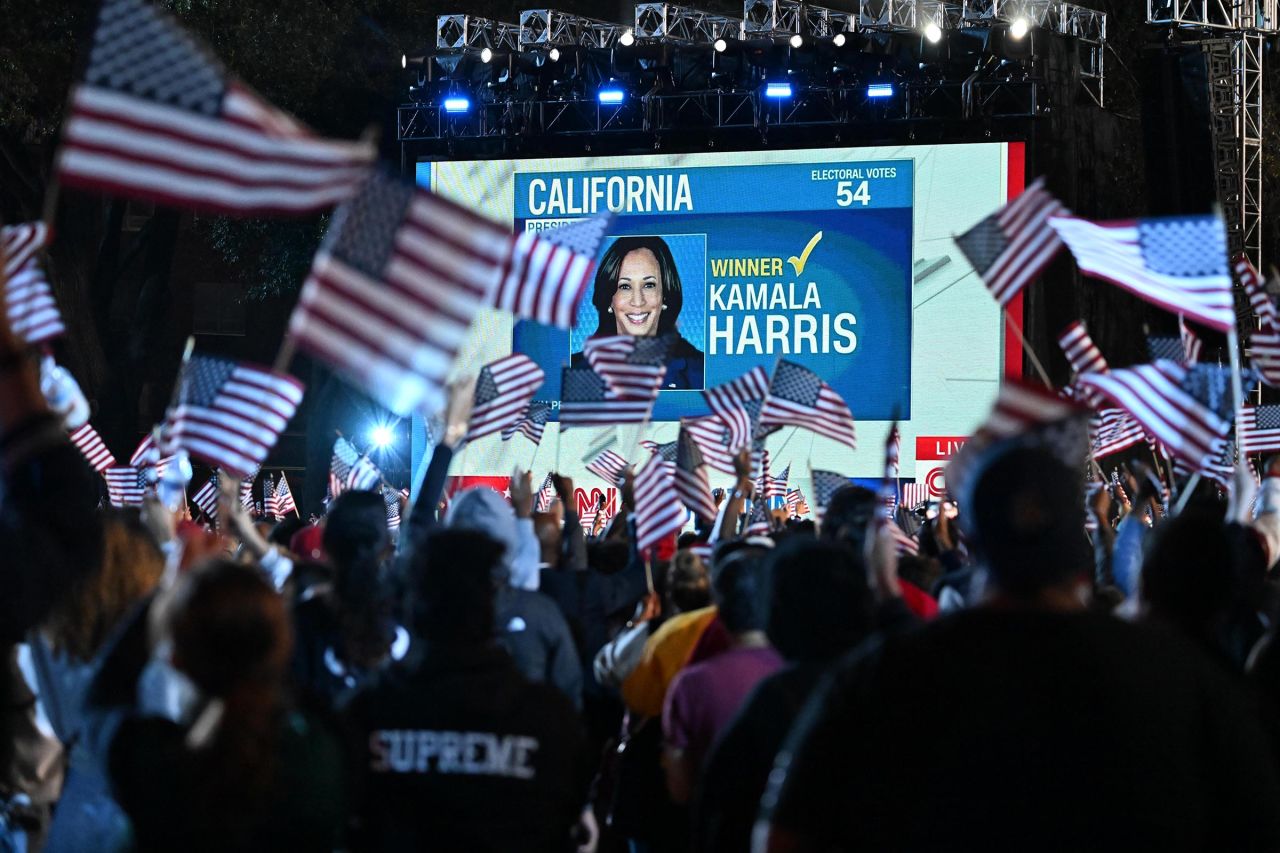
(458, 751)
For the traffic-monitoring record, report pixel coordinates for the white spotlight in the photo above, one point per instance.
(554, 55)
(1019, 28)
(404, 61)
(628, 38)
(933, 33)
(839, 40)
(720, 45)
(382, 436)
(486, 56)
(797, 40)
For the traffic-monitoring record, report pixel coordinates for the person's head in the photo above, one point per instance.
(637, 289)
(131, 566)
(820, 604)
(847, 516)
(452, 587)
(285, 529)
(229, 628)
(484, 510)
(688, 585)
(357, 542)
(1026, 522)
(741, 590)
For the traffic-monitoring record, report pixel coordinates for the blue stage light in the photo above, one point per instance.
(457, 104)
(880, 90)
(777, 90)
(611, 96)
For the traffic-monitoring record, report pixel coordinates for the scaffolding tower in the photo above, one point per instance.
(1235, 93)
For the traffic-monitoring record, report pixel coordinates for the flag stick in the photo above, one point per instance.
(1026, 347)
(51, 195)
(1237, 388)
(648, 570)
(284, 357)
(1185, 494)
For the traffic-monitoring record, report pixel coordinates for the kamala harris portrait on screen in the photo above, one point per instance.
(637, 292)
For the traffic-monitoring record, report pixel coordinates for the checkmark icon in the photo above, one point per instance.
(799, 262)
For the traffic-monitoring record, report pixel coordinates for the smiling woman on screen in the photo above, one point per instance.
(637, 292)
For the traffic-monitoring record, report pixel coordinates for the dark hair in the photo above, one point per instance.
(848, 515)
(1026, 517)
(231, 637)
(688, 586)
(284, 530)
(356, 540)
(820, 605)
(607, 282)
(741, 590)
(451, 576)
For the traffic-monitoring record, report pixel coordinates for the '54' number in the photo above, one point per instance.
(847, 195)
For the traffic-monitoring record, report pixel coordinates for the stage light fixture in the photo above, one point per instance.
(611, 95)
(404, 60)
(777, 90)
(880, 90)
(554, 55)
(457, 104)
(1019, 28)
(797, 41)
(382, 436)
(628, 38)
(933, 33)
(839, 39)
(486, 56)
(720, 45)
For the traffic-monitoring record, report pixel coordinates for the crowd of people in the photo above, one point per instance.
(493, 678)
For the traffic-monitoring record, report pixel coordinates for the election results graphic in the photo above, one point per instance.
(748, 264)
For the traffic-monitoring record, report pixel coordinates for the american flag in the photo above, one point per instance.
(206, 498)
(914, 494)
(1260, 429)
(796, 502)
(825, 485)
(546, 494)
(269, 505)
(1031, 415)
(157, 118)
(125, 486)
(1010, 247)
(585, 400)
(631, 366)
(532, 422)
(1080, 350)
(889, 494)
(146, 453)
(547, 272)
(759, 523)
(1184, 349)
(1264, 343)
(503, 393)
(608, 466)
(28, 299)
(775, 487)
(731, 403)
(391, 498)
(799, 397)
(659, 511)
(230, 414)
(712, 436)
(691, 477)
(284, 498)
(1154, 396)
(1113, 430)
(351, 469)
(89, 443)
(1177, 262)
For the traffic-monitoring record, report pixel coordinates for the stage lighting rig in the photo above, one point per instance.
(684, 24)
(455, 32)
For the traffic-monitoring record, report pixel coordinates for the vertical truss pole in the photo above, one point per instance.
(1247, 68)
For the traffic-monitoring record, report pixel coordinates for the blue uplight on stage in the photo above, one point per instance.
(777, 90)
(611, 96)
(457, 104)
(880, 90)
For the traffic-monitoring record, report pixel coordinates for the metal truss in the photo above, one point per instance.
(551, 27)
(683, 24)
(1039, 13)
(1233, 32)
(777, 17)
(835, 107)
(462, 31)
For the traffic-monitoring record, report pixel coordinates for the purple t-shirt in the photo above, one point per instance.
(704, 698)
